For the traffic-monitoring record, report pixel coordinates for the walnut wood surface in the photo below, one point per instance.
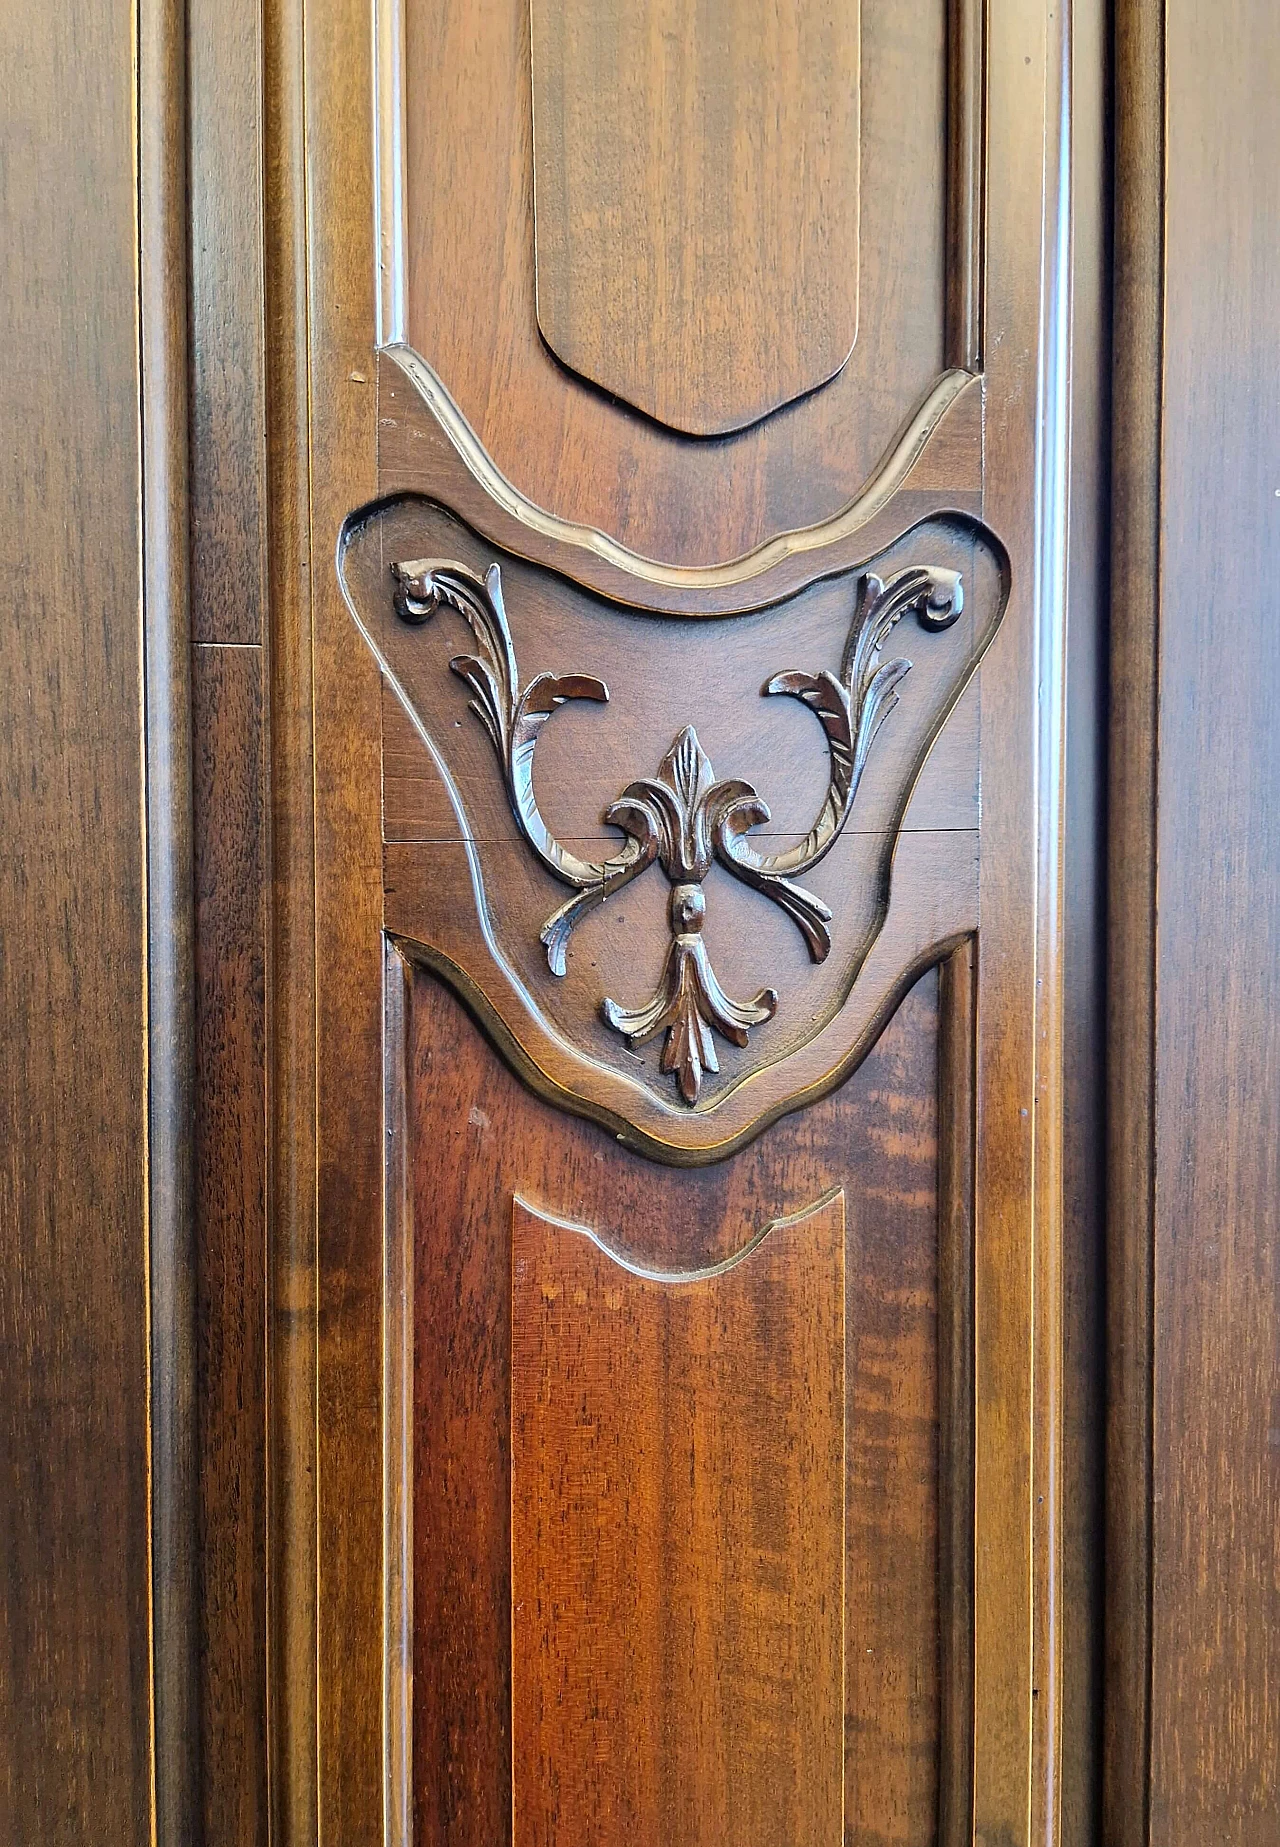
(164, 322)
(75, 1639)
(696, 201)
(468, 302)
(711, 674)
(478, 1138)
(1215, 935)
(230, 1147)
(228, 399)
(469, 296)
(678, 1539)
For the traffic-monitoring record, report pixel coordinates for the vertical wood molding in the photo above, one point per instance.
(292, 1702)
(397, 1399)
(966, 118)
(1135, 592)
(163, 276)
(389, 132)
(957, 1102)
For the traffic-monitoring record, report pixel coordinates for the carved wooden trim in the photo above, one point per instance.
(684, 819)
(452, 462)
(459, 915)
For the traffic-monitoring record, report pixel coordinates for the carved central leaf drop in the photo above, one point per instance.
(685, 809)
(683, 818)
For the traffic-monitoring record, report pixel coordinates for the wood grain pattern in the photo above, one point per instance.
(477, 1138)
(696, 201)
(228, 362)
(1084, 942)
(677, 1540)
(1215, 1484)
(230, 1151)
(292, 1517)
(469, 273)
(75, 1643)
(1135, 569)
(164, 315)
(470, 297)
(714, 672)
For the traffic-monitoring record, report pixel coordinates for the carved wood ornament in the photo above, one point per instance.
(683, 818)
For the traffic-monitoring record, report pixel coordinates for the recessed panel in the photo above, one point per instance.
(570, 1414)
(696, 200)
(856, 242)
(677, 1540)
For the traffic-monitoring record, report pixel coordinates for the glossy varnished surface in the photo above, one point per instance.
(1215, 1612)
(468, 307)
(469, 304)
(677, 1539)
(478, 1139)
(75, 1666)
(230, 1149)
(696, 201)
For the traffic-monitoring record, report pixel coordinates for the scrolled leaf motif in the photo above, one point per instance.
(684, 818)
(851, 709)
(514, 721)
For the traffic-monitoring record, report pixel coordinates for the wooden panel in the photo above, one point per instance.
(696, 200)
(1215, 1618)
(950, 583)
(677, 1540)
(1084, 942)
(469, 294)
(230, 872)
(467, 173)
(228, 408)
(476, 1139)
(75, 1663)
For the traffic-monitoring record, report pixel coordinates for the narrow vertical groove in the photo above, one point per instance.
(1132, 872)
(1053, 525)
(291, 1383)
(397, 1480)
(163, 276)
(966, 112)
(956, 1126)
(388, 128)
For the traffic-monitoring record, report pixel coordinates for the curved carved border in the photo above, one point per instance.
(925, 885)
(933, 467)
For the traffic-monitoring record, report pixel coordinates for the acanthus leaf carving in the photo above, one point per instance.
(683, 817)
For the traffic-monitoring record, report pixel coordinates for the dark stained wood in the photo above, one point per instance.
(470, 310)
(696, 201)
(468, 303)
(75, 1663)
(585, 760)
(340, 977)
(170, 956)
(956, 1131)
(478, 1138)
(1131, 796)
(228, 403)
(933, 466)
(1215, 1482)
(230, 1147)
(292, 1692)
(677, 1610)
(1084, 941)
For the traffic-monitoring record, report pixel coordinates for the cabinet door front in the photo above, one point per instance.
(665, 462)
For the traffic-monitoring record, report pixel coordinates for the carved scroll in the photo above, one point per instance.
(683, 818)
(578, 739)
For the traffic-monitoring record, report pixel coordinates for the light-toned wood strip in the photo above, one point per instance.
(677, 1540)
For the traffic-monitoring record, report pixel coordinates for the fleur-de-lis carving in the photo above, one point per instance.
(685, 810)
(683, 818)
